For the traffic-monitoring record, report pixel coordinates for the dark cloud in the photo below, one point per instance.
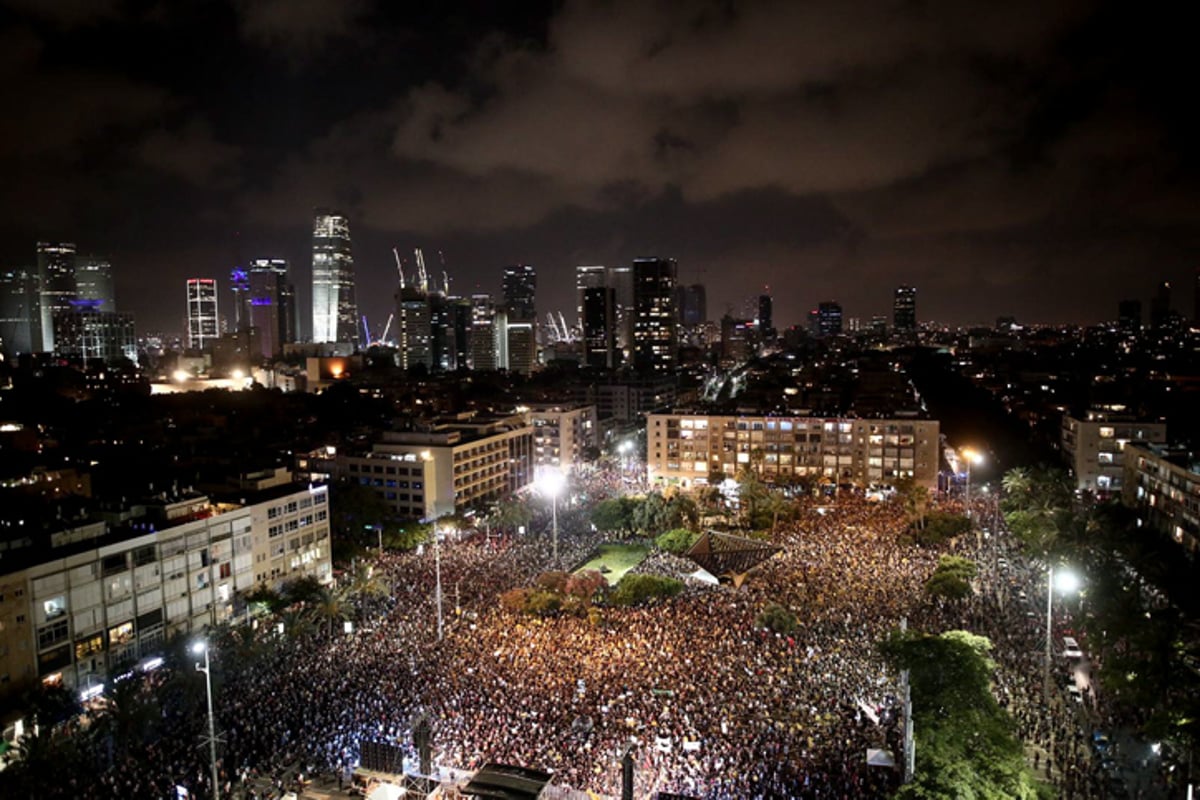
(1027, 157)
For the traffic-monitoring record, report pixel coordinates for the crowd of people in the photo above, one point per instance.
(713, 705)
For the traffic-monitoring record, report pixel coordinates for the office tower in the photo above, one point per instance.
(88, 334)
(269, 306)
(56, 287)
(587, 277)
(443, 340)
(289, 312)
(692, 304)
(521, 340)
(335, 313)
(904, 309)
(621, 280)
(655, 337)
(201, 313)
(599, 327)
(814, 323)
(1129, 315)
(483, 335)
(1160, 306)
(94, 281)
(829, 319)
(736, 339)
(520, 290)
(414, 334)
(20, 319)
(879, 325)
(239, 284)
(766, 317)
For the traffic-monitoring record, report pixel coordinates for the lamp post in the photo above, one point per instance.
(1066, 582)
(198, 648)
(551, 482)
(970, 457)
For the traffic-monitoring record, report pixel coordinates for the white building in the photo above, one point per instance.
(448, 465)
(1162, 485)
(1094, 447)
(685, 448)
(97, 597)
(562, 434)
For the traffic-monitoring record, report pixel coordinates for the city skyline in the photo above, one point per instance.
(1030, 160)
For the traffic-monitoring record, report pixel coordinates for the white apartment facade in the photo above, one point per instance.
(685, 448)
(100, 598)
(1094, 447)
(448, 466)
(562, 434)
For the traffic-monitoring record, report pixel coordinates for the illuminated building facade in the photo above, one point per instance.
(1094, 447)
(94, 282)
(202, 319)
(335, 312)
(904, 309)
(20, 318)
(655, 328)
(56, 288)
(686, 448)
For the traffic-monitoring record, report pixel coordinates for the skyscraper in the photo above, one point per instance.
(904, 309)
(829, 319)
(1160, 306)
(587, 277)
(600, 327)
(269, 309)
(520, 293)
(1129, 315)
(766, 317)
(20, 320)
(692, 305)
(239, 284)
(88, 334)
(483, 333)
(620, 280)
(414, 336)
(521, 340)
(201, 312)
(94, 281)
(335, 313)
(56, 287)
(655, 331)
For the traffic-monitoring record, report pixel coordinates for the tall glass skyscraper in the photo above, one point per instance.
(94, 281)
(56, 287)
(201, 312)
(335, 312)
(904, 309)
(655, 339)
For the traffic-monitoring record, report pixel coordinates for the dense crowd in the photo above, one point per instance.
(715, 706)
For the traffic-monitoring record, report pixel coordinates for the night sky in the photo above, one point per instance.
(1032, 158)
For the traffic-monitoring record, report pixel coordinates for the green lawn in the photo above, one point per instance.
(619, 558)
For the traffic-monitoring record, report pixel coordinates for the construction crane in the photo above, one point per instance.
(422, 275)
(366, 330)
(387, 328)
(399, 266)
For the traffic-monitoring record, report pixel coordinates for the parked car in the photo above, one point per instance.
(1075, 694)
(1100, 742)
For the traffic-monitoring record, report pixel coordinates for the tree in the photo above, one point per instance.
(585, 584)
(635, 589)
(1017, 483)
(615, 514)
(677, 541)
(512, 515)
(952, 578)
(330, 608)
(966, 745)
(776, 618)
(915, 499)
(355, 511)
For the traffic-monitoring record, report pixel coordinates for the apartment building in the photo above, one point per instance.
(446, 465)
(91, 599)
(685, 448)
(1094, 447)
(1162, 485)
(562, 434)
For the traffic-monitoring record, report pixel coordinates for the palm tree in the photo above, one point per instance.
(364, 583)
(1017, 481)
(916, 504)
(330, 606)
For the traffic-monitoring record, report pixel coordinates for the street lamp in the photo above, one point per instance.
(198, 648)
(970, 457)
(1066, 582)
(551, 482)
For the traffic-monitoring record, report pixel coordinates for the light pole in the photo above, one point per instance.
(1066, 582)
(198, 648)
(551, 482)
(970, 457)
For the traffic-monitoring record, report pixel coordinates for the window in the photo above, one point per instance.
(274, 530)
(55, 607)
(89, 646)
(50, 635)
(225, 570)
(1107, 432)
(121, 634)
